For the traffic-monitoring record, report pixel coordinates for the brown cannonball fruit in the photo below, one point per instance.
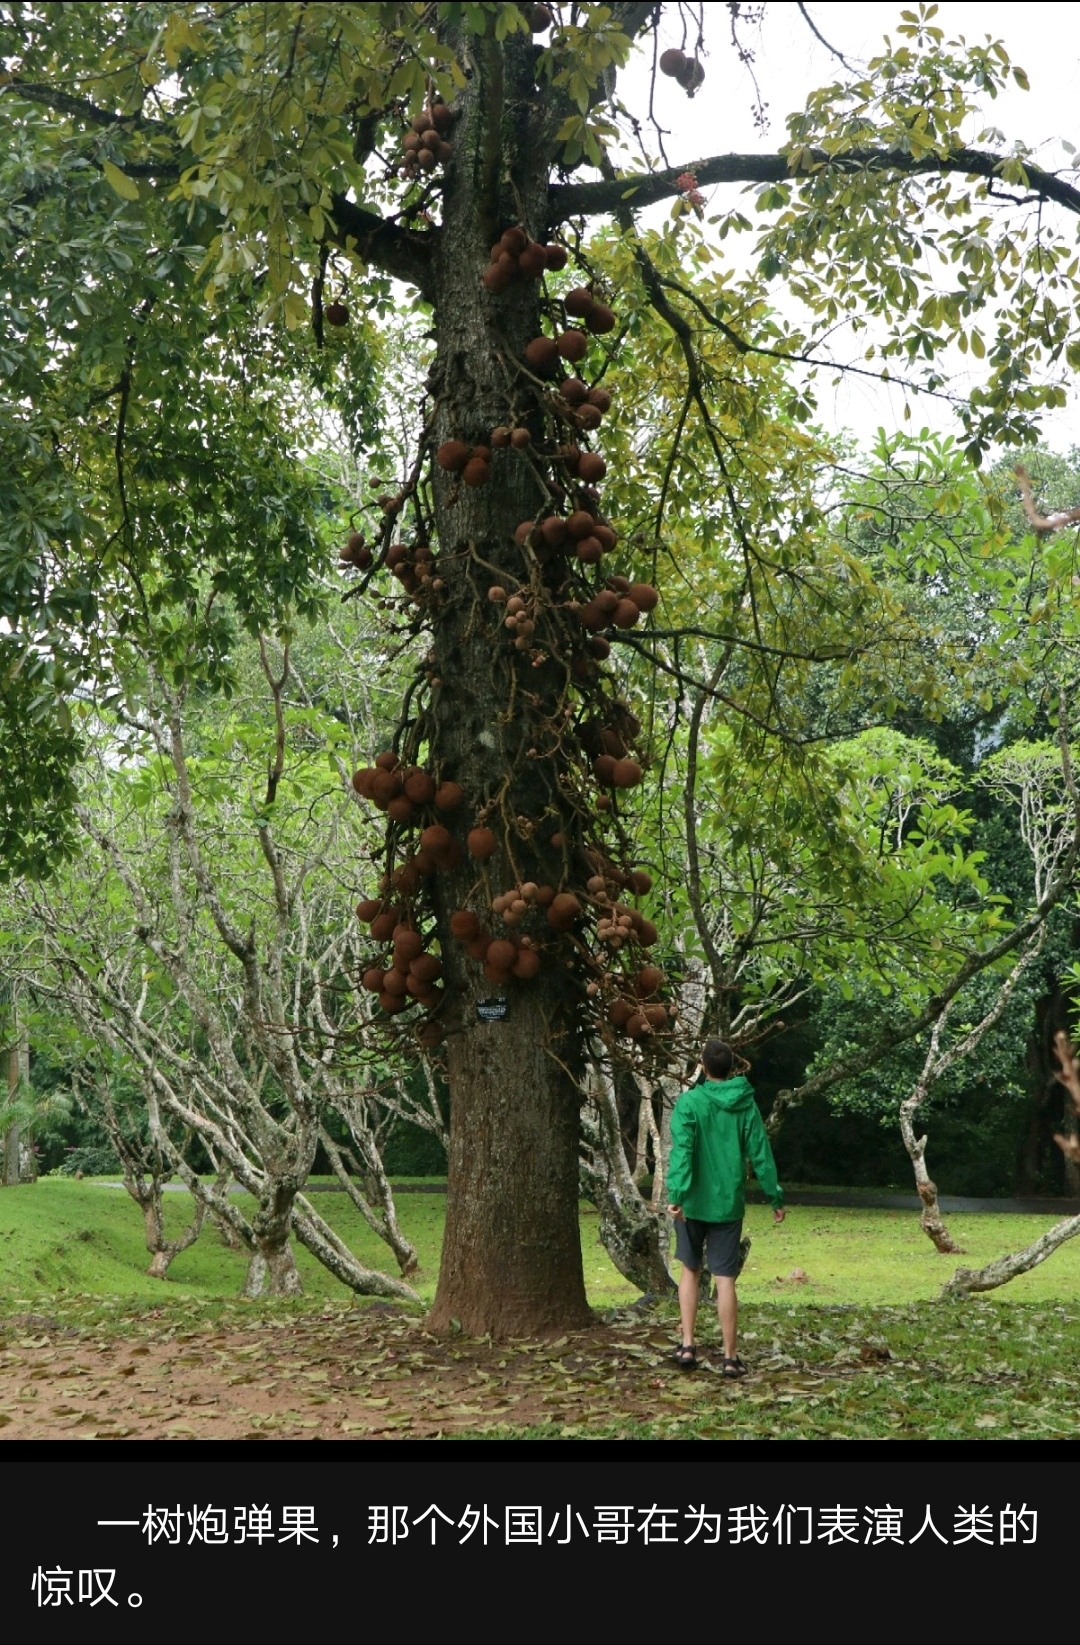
(396, 555)
(605, 535)
(545, 894)
(429, 139)
(407, 944)
(589, 418)
(656, 1017)
(514, 605)
(336, 314)
(386, 787)
(476, 947)
(640, 881)
(604, 769)
(620, 1013)
(496, 974)
(481, 843)
(590, 552)
(591, 467)
(598, 647)
(591, 617)
(672, 62)
(564, 910)
(627, 774)
(600, 398)
(425, 862)
(647, 934)
(527, 963)
(426, 968)
(520, 438)
(532, 261)
(464, 924)
(387, 760)
(608, 601)
(579, 302)
(596, 884)
(411, 143)
(420, 787)
(372, 979)
(542, 355)
(691, 77)
(420, 122)
(368, 910)
(496, 279)
(363, 781)
(441, 116)
(452, 455)
(574, 391)
(429, 1035)
(362, 558)
(571, 456)
(382, 927)
(600, 320)
(497, 594)
(573, 346)
(539, 17)
(500, 439)
(523, 532)
(483, 452)
(555, 256)
(436, 838)
(406, 879)
(502, 953)
(644, 596)
(401, 810)
(579, 524)
(476, 472)
(425, 159)
(394, 982)
(612, 743)
(637, 1025)
(354, 542)
(448, 796)
(626, 614)
(514, 240)
(553, 531)
(393, 1003)
(648, 980)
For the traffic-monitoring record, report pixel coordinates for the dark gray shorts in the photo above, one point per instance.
(718, 1241)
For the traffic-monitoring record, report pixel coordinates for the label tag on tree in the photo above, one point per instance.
(491, 1010)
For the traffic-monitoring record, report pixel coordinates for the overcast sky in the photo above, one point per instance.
(1044, 39)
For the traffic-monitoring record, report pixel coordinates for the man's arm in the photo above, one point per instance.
(759, 1152)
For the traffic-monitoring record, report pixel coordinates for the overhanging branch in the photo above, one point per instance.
(637, 190)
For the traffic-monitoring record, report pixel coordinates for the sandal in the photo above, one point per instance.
(686, 1356)
(733, 1368)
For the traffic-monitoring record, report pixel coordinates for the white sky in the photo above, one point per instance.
(1044, 39)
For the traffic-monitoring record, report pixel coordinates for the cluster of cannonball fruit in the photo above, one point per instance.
(473, 463)
(515, 257)
(356, 552)
(686, 70)
(425, 146)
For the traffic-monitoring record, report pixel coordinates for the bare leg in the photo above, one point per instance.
(727, 1310)
(688, 1301)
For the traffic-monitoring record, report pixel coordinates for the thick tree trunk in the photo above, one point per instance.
(1003, 1269)
(511, 1260)
(18, 1087)
(272, 1270)
(147, 1195)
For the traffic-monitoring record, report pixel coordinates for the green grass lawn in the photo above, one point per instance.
(853, 1350)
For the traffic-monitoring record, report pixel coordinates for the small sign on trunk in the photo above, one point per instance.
(493, 1009)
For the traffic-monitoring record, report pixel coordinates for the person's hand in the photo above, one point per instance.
(779, 1214)
(676, 1211)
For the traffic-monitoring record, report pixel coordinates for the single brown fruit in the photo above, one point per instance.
(553, 531)
(407, 944)
(556, 257)
(436, 838)
(387, 760)
(626, 614)
(426, 968)
(382, 926)
(500, 439)
(590, 551)
(481, 843)
(533, 261)
(464, 924)
(545, 894)
(430, 1034)
(591, 467)
(497, 594)
(620, 1013)
(604, 769)
(637, 1025)
(502, 953)
(336, 314)
(606, 536)
(372, 979)
(591, 617)
(476, 947)
(574, 391)
(627, 774)
(452, 455)
(640, 882)
(648, 980)
(589, 418)
(598, 647)
(476, 472)
(363, 781)
(644, 596)
(524, 532)
(394, 982)
(600, 320)
(448, 796)
(425, 159)
(420, 787)
(579, 302)
(580, 524)
(573, 346)
(496, 279)
(564, 910)
(527, 963)
(441, 116)
(600, 398)
(386, 787)
(608, 601)
(401, 810)
(520, 438)
(393, 1003)
(672, 62)
(647, 934)
(514, 240)
(542, 355)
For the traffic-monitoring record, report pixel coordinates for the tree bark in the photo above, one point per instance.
(511, 1262)
(18, 1088)
(1003, 1269)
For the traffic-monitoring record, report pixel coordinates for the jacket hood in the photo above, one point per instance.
(730, 1094)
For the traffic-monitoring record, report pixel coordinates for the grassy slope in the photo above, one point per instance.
(61, 1235)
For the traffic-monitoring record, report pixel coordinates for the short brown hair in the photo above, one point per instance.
(718, 1058)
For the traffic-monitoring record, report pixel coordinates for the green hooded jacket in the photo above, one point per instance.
(715, 1129)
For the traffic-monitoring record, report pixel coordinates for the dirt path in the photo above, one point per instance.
(364, 1373)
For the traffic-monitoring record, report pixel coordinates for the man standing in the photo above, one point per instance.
(715, 1129)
